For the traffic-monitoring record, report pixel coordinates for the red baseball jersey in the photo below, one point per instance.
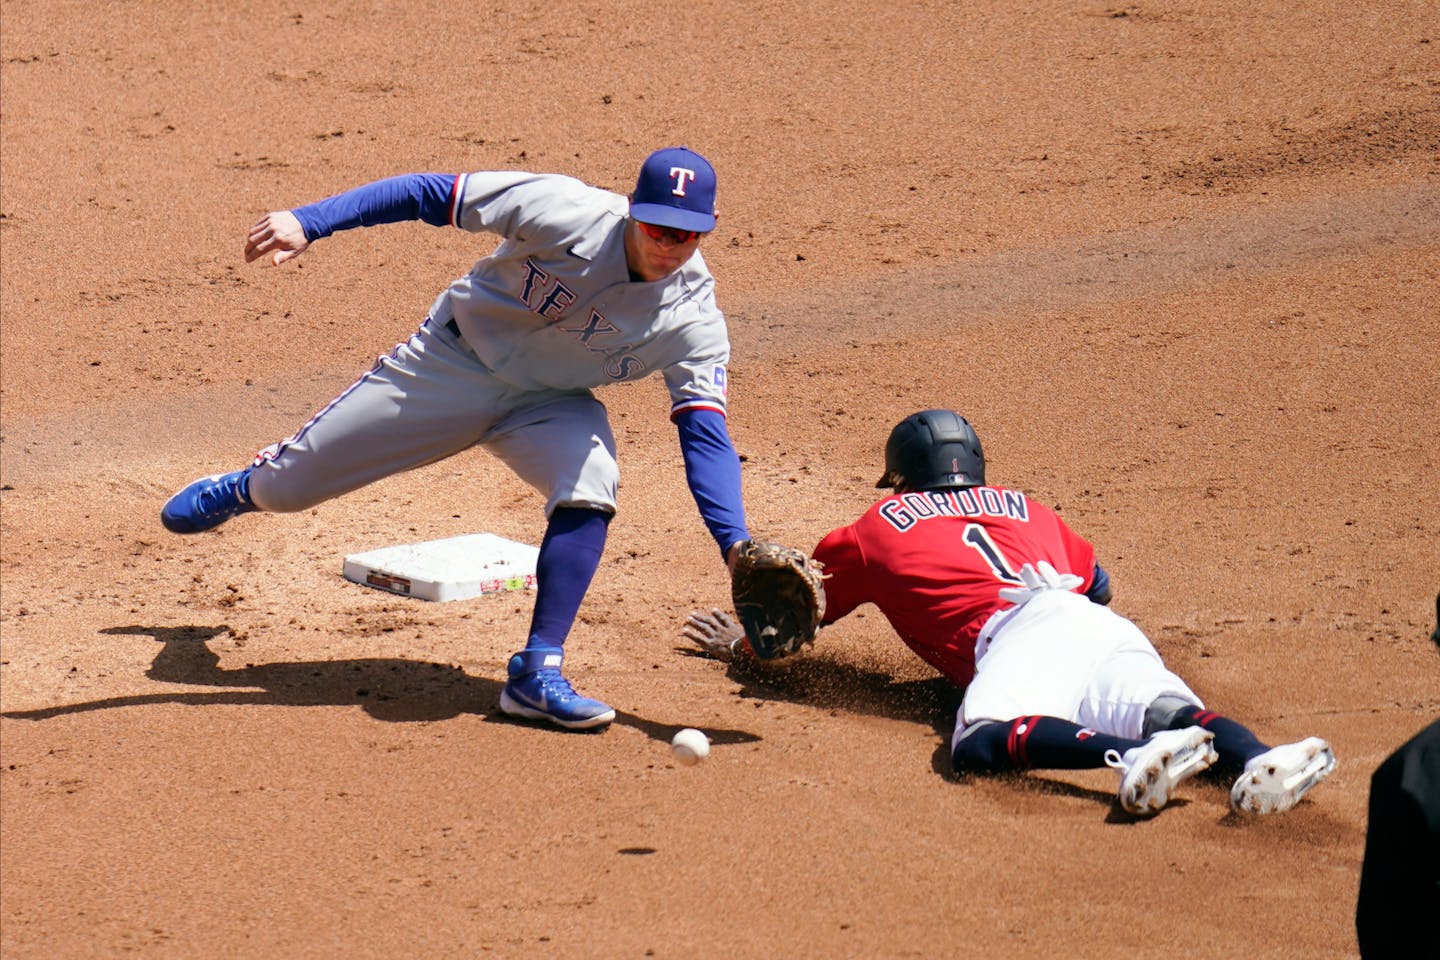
(934, 563)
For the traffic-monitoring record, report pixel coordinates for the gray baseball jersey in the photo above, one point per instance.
(551, 313)
(554, 305)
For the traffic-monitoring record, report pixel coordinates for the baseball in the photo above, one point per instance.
(690, 746)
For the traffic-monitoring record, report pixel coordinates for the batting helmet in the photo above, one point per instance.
(933, 449)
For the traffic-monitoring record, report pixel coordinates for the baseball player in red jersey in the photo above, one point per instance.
(996, 592)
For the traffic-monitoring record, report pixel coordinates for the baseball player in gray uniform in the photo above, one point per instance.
(586, 288)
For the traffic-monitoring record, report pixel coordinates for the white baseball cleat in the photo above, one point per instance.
(1276, 780)
(1149, 772)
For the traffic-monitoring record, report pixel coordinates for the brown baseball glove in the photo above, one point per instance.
(779, 597)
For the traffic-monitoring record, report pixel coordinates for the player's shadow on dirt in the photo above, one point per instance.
(818, 681)
(836, 685)
(393, 690)
(1041, 782)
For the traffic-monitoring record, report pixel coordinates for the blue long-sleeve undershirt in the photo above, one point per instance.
(412, 196)
(712, 468)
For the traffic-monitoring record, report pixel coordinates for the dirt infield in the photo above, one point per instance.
(1180, 263)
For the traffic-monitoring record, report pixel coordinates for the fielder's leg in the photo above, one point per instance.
(563, 447)
(569, 557)
(426, 400)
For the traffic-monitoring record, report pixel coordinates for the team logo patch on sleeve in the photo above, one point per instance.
(720, 381)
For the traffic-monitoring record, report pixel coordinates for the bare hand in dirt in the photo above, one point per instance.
(715, 633)
(278, 231)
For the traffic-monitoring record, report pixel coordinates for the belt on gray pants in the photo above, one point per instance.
(454, 329)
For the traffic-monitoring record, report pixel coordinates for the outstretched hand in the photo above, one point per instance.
(279, 234)
(715, 634)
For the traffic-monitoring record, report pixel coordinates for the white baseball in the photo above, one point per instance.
(690, 746)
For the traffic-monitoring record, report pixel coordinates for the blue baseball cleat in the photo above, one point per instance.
(208, 502)
(538, 691)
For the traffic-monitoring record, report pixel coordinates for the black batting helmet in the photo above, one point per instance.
(933, 449)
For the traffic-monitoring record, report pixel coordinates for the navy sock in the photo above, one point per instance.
(569, 557)
(1233, 741)
(1034, 743)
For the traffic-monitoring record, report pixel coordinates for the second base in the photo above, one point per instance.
(456, 568)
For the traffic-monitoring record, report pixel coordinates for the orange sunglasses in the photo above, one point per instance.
(656, 232)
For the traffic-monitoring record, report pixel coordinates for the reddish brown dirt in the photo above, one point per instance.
(1177, 261)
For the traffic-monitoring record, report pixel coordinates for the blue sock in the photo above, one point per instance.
(1233, 741)
(569, 557)
(1034, 743)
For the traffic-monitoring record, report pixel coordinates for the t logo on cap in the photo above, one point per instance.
(681, 175)
(676, 188)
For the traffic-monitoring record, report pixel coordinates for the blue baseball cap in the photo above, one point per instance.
(676, 188)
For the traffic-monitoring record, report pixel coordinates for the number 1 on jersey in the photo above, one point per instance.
(978, 538)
